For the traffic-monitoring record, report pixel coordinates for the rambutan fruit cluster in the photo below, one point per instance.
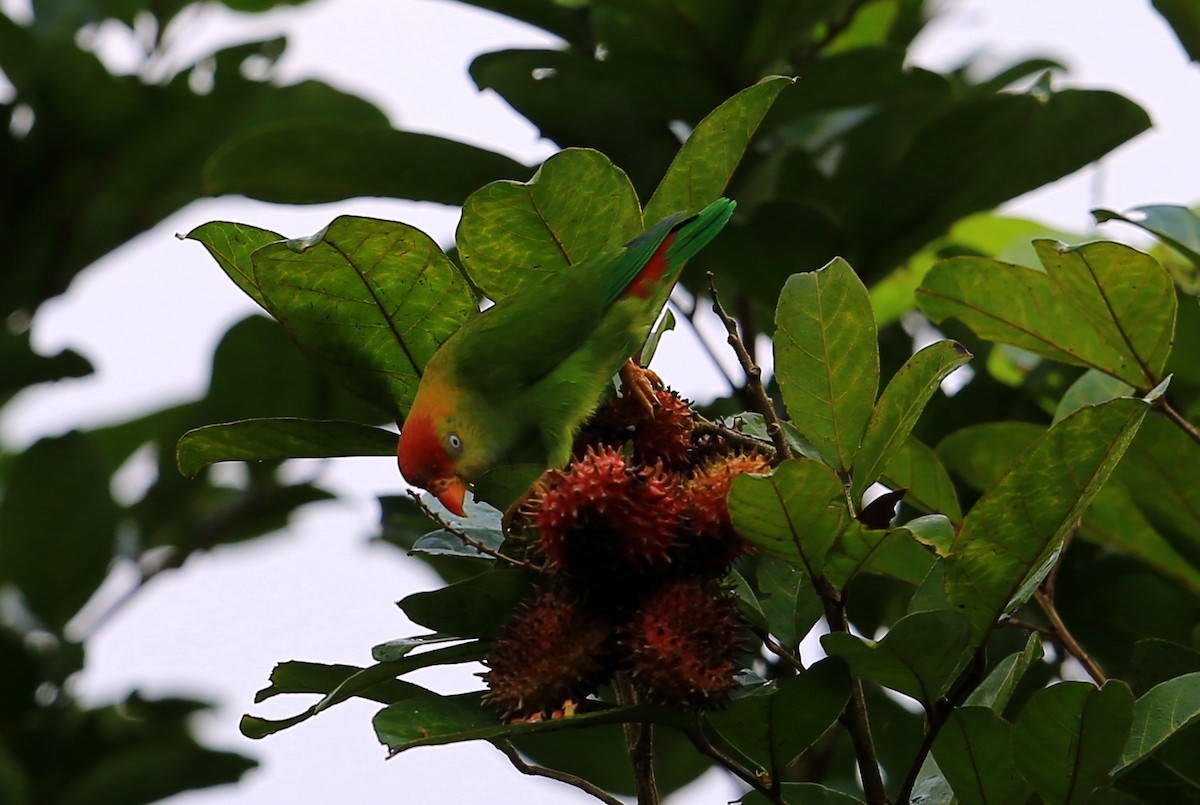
(635, 542)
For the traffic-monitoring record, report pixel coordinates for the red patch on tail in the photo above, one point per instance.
(651, 275)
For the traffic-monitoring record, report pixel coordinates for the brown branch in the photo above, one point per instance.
(854, 717)
(1179, 419)
(467, 540)
(754, 387)
(1063, 637)
(705, 747)
(690, 317)
(704, 426)
(519, 763)
(779, 650)
(1028, 626)
(639, 741)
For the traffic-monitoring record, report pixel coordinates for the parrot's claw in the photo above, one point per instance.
(640, 383)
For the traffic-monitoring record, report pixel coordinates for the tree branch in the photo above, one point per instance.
(1061, 635)
(519, 763)
(705, 747)
(639, 741)
(463, 536)
(1179, 419)
(690, 317)
(758, 396)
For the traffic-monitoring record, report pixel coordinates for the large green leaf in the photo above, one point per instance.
(827, 358)
(1101, 305)
(1069, 736)
(368, 301)
(898, 408)
(890, 552)
(274, 439)
(973, 751)
(1115, 521)
(232, 246)
(795, 513)
(339, 683)
(774, 725)
(1011, 537)
(1163, 464)
(577, 205)
(476, 607)
(920, 656)
(791, 606)
(1161, 712)
(1173, 224)
(916, 467)
(981, 454)
(58, 526)
(305, 163)
(1184, 18)
(997, 688)
(430, 719)
(704, 165)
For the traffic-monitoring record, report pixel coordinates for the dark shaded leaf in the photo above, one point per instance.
(973, 751)
(275, 439)
(476, 607)
(916, 467)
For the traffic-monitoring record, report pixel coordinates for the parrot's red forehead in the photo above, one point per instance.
(422, 456)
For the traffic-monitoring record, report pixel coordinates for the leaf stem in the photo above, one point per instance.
(519, 763)
(754, 388)
(706, 747)
(1179, 419)
(463, 536)
(639, 741)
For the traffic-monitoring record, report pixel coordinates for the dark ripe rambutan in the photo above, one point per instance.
(604, 513)
(706, 513)
(552, 650)
(660, 432)
(683, 644)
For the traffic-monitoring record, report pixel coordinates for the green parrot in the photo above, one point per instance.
(517, 381)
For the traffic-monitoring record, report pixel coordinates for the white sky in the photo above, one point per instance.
(319, 591)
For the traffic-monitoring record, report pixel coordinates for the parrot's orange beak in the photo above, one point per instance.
(451, 492)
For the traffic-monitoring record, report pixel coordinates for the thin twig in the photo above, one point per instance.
(854, 717)
(1179, 419)
(705, 747)
(519, 763)
(1063, 637)
(754, 387)
(690, 317)
(1028, 626)
(779, 650)
(639, 741)
(463, 536)
(704, 426)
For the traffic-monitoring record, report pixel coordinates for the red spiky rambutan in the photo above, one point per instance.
(706, 513)
(605, 512)
(659, 429)
(683, 644)
(551, 651)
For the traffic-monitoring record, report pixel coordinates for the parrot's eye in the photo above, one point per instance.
(454, 443)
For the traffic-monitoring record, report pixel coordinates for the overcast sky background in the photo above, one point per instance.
(149, 315)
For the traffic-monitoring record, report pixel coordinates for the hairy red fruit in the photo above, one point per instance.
(659, 434)
(605, 510)
(706, 512)
(552, 650)
(683, 644)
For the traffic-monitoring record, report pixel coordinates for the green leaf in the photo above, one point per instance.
(232, 245)
(577, 205)
(445, 543)
(920, 656)
(827, 358)
(58, 526)
(1163, 464)
(376, 682)
(1161, 712)
(1101, 305)
(704, 165)
(791, 607)
(996, 690)
(795, 513)
(368, 301)
(23, 367)
(1184, 18)
(981, 454)
(803, 794)
(890, 552)
(430, 719)
(898, 408)
(935, 530)
(476, 607)
(1091, 388)
(279, 438)
(1115, 522)
(1011, 537)
(1069, 736)
(312, 162)
(395, 649)
(1176, 226)
(918, 469)
(973, 751)
(773, 727)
